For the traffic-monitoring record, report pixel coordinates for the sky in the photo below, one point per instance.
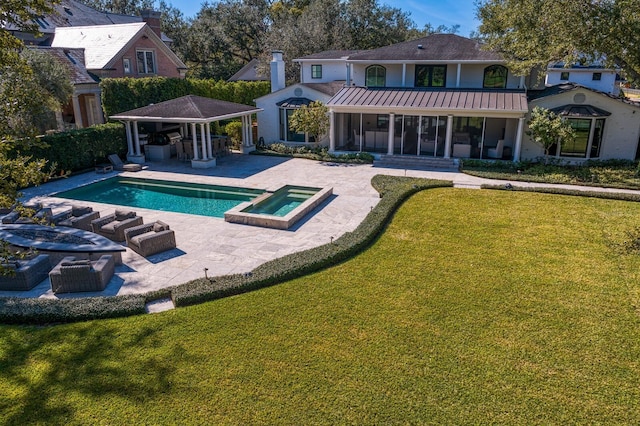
(435, 12)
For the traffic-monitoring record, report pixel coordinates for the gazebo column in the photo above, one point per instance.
(194, 139)
(247, 135)
(203, 161)
(209, 148)
(127, 129)
(203, 139)
(135, 156)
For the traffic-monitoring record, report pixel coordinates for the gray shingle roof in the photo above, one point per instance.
(330, 88)
(568, 87)
(248, 72)
(188, 107)
(73, 59)
(329, 54)
(421, 99)
(435, 47)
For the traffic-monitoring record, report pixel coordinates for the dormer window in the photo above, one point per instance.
(431, 75)
(495, 77)
(376, 76)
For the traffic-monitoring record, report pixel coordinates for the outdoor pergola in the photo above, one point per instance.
(189, 112)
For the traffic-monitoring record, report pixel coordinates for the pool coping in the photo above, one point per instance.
(237, 215)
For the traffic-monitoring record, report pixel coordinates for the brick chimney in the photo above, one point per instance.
(152, 18)
(277, 71)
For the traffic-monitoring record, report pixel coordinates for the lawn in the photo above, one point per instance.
(473, 307)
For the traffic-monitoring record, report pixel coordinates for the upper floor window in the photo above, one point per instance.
(126, 65)
(597, 76)
(564, 75)
(376, 76)
(146, 61)
(431, 75)
(495, 77)
(316, 71)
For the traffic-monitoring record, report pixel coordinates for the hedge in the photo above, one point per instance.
(79, 149)
(393, 191)
(621, 196)
(124, 94)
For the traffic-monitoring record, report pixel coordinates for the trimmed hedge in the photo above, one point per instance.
(79, 149)
(621, 196)
(15, 310)
(393, 192)
(124, 94)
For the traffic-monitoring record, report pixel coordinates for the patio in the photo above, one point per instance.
(221, 247)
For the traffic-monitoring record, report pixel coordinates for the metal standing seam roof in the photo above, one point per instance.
(188, 108)
(442, 99)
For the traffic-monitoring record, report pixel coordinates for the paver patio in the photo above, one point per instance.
(225, 248)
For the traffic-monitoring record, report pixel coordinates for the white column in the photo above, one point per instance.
(458, 73)
(77, 112)
(194, 139)
(250, 131)
(209, 149)
(203, 139)
(447, 141)
(518, 147)
(392, 130)
(136, 137)
(127, 129)
(332, 136)
(404, 75)
(244, 131)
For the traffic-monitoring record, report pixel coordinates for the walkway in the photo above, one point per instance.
(224, 248)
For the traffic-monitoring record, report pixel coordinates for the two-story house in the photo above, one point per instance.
(442, 96)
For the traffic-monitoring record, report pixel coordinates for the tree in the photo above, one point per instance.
(125, 7)
(531, 34)
(548, 129)
(312, 119)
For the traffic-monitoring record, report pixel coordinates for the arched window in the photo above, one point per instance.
(495, 77)
(376, 76)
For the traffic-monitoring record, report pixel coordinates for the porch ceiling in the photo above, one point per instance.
(507, 102)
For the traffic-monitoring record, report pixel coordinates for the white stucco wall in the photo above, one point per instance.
(331, 71)
(621, 129)
(269, 119)
(584, 77)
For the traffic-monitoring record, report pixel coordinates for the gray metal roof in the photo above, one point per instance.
(439, 99)
(587, 111)
(433, 48)
(294, 102)
(187, 109)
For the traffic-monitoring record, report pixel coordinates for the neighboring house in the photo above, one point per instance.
(595, 76)
(84, 109)
(249, 72)
(121, 50)
(442, 96)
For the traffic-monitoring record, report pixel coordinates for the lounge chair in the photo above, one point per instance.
(71, 275)
(119, 165)
(40, 215)
(497, 151)
(150, 238)
(24, 274)
(114, 225)
(76, 217)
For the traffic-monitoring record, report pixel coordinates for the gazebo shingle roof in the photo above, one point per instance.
(188, 107)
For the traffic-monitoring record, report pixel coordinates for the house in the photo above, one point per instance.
(249, 72)
(441, 96)
(94, 45)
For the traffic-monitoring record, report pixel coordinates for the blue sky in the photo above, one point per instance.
(435, 12)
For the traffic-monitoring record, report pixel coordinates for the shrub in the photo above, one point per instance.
(234, 130)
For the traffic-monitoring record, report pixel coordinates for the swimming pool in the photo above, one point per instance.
(179, 197)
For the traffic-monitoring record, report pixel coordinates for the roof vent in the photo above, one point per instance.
(419, 46)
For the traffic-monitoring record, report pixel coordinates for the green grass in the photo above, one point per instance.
(612, 173)
(473, 307)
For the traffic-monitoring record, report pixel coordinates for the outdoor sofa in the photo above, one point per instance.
(26, 273)
(71, 275)
(150, 238)
(77, 217)
(113, 226)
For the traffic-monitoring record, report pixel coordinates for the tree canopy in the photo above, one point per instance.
(532, 34)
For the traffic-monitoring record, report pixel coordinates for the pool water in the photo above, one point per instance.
(283, 201)
(179, 197)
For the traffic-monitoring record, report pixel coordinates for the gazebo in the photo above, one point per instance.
(189, 112)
